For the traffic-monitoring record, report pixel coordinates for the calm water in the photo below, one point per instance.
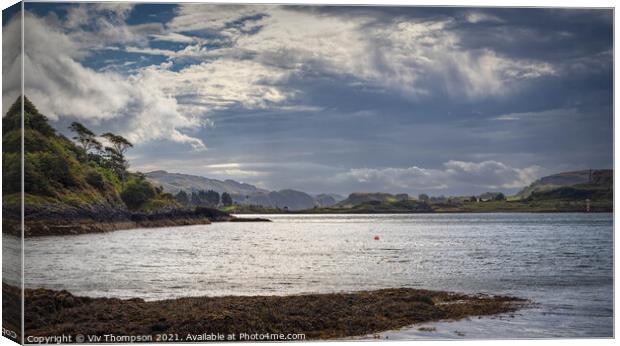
(563, 262)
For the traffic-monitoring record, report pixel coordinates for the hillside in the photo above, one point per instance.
(357, 198)
(326, 200)
(242, 193)
(72, 186)
(601, 177)
(374, 203)
(175, 182)
(576, 191)
(58, 177)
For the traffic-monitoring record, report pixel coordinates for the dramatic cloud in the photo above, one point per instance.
(98, 26)
(61, 86)
(407, 55)
(329, 99)
(264, 47)
(11, 62)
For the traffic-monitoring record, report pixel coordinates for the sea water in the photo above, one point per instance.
(563, 263)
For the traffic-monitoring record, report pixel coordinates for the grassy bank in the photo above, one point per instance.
(317, 316)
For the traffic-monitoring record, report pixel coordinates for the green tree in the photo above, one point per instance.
(226, 199)
(213, 198)
(423, 197)
(195, 198)
(116, 162)
(119, 143)
(116, 153)
(137, 192)
(182, 197)
(85, 137)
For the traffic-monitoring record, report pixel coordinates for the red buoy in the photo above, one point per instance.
(376, 237)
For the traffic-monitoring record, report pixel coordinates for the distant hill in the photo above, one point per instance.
(600, 177)
(242, 193)
(175, 182)
(358, 198)
(326, 200)
(289, 199)
(375, 202)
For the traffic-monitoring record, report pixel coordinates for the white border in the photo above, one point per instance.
(469, 3)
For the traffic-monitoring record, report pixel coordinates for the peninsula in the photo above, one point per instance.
(81, 185)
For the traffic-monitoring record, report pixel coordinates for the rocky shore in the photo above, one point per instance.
(46, 223)
(316, 316)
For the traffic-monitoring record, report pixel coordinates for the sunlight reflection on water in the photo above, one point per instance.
(563, 262)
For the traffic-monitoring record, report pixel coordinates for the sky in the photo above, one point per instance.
(327, 99)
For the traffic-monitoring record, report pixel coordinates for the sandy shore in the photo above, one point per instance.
(316, 316)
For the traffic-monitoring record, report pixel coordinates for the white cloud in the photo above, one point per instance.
(453, 175)
(410, 56)
(96, 26)
(156, 102)
(11, 62)
(200, 17)
(220, 84)
(264, 46)
(542, 115)
(175, 37)
(151, 51)
(224, 165)
(479, 17)
(60, 86)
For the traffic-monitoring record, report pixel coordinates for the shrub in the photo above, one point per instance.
(136, 193)
(55, 168)
(95, 179)
(34, 181)
(12, 142)
(11, 176)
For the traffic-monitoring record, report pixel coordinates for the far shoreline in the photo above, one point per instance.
(61, 227)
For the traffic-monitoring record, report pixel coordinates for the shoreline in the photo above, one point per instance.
(71, 226)
(427, 213)
(316, 316)
(86, 226)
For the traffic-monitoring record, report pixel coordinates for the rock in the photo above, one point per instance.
(160, 327)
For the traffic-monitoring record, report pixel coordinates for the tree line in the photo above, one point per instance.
(135, 189)
(204, 198)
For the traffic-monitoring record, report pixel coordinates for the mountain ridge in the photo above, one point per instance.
(242, 193)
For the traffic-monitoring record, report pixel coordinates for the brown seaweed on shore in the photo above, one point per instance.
(318, 316)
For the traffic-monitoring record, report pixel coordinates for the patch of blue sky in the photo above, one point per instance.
(45, 8)
(120, 61)
(9, 12)
(167, 45)
(150, 13)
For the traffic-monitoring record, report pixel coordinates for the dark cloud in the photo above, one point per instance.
(345, 98)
